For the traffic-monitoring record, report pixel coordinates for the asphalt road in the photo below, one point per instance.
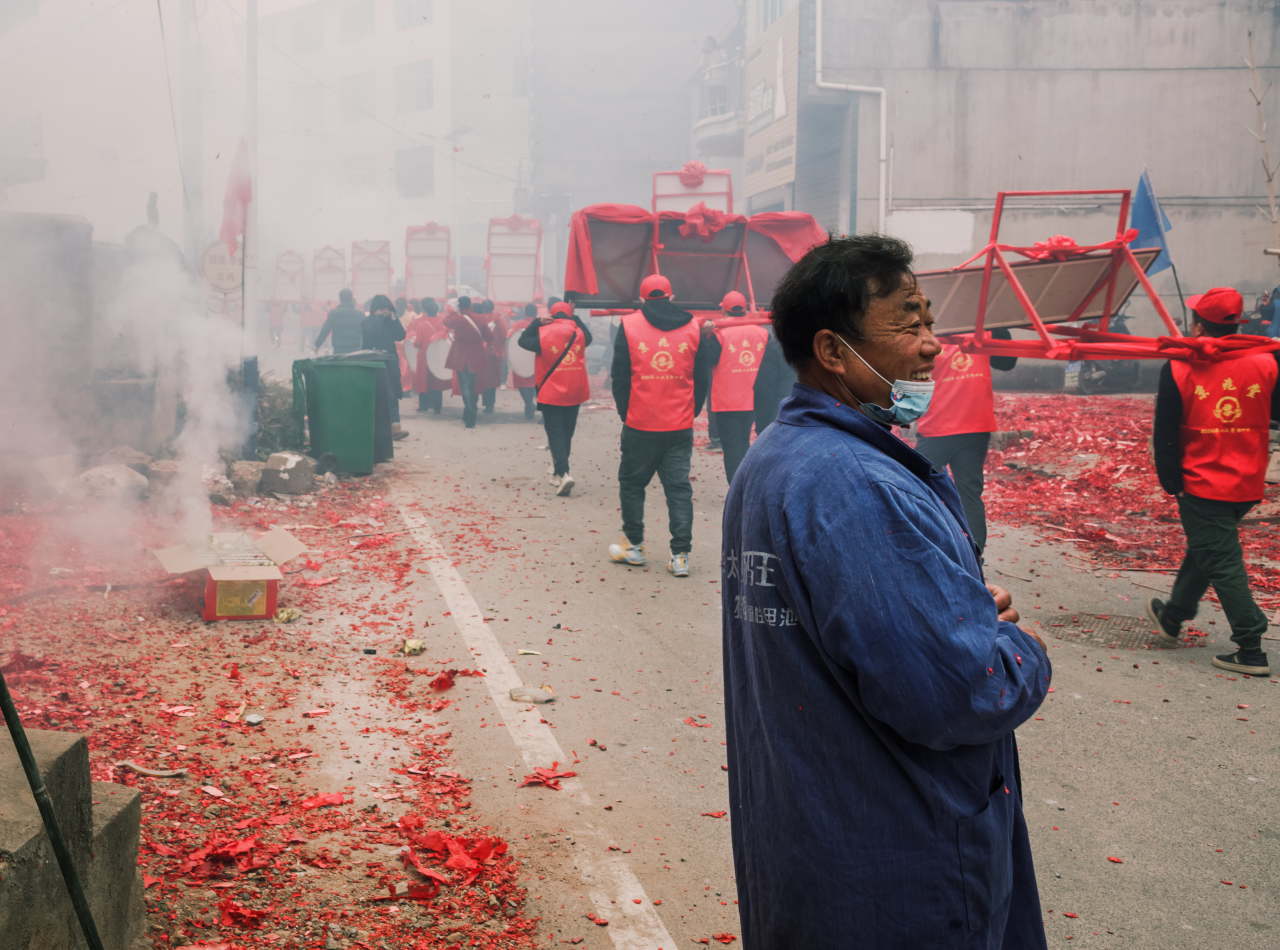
(1146, 755)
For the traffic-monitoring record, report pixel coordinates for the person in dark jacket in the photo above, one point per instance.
(773, 383)
(1210, 439)
(660, 378)
(343, 324)
(873, 680)
(381, 330)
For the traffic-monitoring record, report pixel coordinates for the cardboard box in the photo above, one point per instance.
(242, 574)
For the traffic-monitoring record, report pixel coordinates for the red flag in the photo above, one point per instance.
(235, 202)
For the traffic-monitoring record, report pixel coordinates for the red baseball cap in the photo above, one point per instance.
(654, 286)
(1218, 305)
(561, 309)
(734, 304)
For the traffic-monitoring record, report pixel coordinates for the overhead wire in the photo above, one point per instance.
(173, 112)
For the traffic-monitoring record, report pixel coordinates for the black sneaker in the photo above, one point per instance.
(1169, 632)
(1250, 664)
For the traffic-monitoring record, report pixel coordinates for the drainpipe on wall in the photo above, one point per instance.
(821, 83)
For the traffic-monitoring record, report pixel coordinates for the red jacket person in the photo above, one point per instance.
(660, 377)
(956, 431)
(560, 341)
(1210, 438)
(737, 350)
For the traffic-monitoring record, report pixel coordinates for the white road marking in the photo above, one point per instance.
(611, 884)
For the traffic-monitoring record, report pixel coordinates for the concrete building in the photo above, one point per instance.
(909, 116)
(380, 114)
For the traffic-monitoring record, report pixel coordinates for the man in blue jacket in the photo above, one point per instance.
(873, 679)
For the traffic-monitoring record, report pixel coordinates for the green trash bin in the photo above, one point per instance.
(339, 396)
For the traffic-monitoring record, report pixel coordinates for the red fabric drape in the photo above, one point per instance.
(794, 231)
(580, 269)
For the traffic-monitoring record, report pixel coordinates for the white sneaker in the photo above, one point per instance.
(679, 565)
(631, 555)
(553, 478)
(566, 485)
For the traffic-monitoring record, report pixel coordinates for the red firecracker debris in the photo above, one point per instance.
(321, 801)
(548, 777)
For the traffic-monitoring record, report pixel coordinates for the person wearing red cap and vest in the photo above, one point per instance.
(560, 341)
(660, 378)
(737, 350)
(956, 431)
(1210, 442)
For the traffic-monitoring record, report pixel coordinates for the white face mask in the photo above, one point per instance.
(910, 397)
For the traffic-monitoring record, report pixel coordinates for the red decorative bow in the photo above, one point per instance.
(703, 221)
(693, 174)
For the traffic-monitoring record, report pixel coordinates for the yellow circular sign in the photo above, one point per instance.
(1228, 409)
(663, 361)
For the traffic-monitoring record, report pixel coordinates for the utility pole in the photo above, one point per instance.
(192, 132)
(252, 233)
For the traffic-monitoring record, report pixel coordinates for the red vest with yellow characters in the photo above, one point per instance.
(568, 384)
(962, 401)
(733, 382)
(1226, 408)
(661, 374)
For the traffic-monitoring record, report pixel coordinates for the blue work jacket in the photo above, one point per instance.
(871, 697)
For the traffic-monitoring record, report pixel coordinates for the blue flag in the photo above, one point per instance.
(1149, 218)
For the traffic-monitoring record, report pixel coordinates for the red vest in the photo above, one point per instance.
(1226, 408)
(568, 384)
(962, 401)
(661, 374)
(733, 382)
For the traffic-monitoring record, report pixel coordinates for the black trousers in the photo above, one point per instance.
(559, 423)
(735, 437)
(433, 400)
(668, 454)
(467, 384)
(1214, 557)
(966, 454)
(489, 399)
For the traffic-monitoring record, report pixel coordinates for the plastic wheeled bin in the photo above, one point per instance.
(346, 408)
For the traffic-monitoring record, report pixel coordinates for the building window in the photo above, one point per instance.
(414, 87)
(308, 28)
(715, 101)
(770, 11)
(416, 171)
(361, 171)
(13, 12)
(22, 149)
(357, 19)
(359, 96)
(411, 13)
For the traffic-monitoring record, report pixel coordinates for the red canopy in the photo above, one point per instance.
(706, 253)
